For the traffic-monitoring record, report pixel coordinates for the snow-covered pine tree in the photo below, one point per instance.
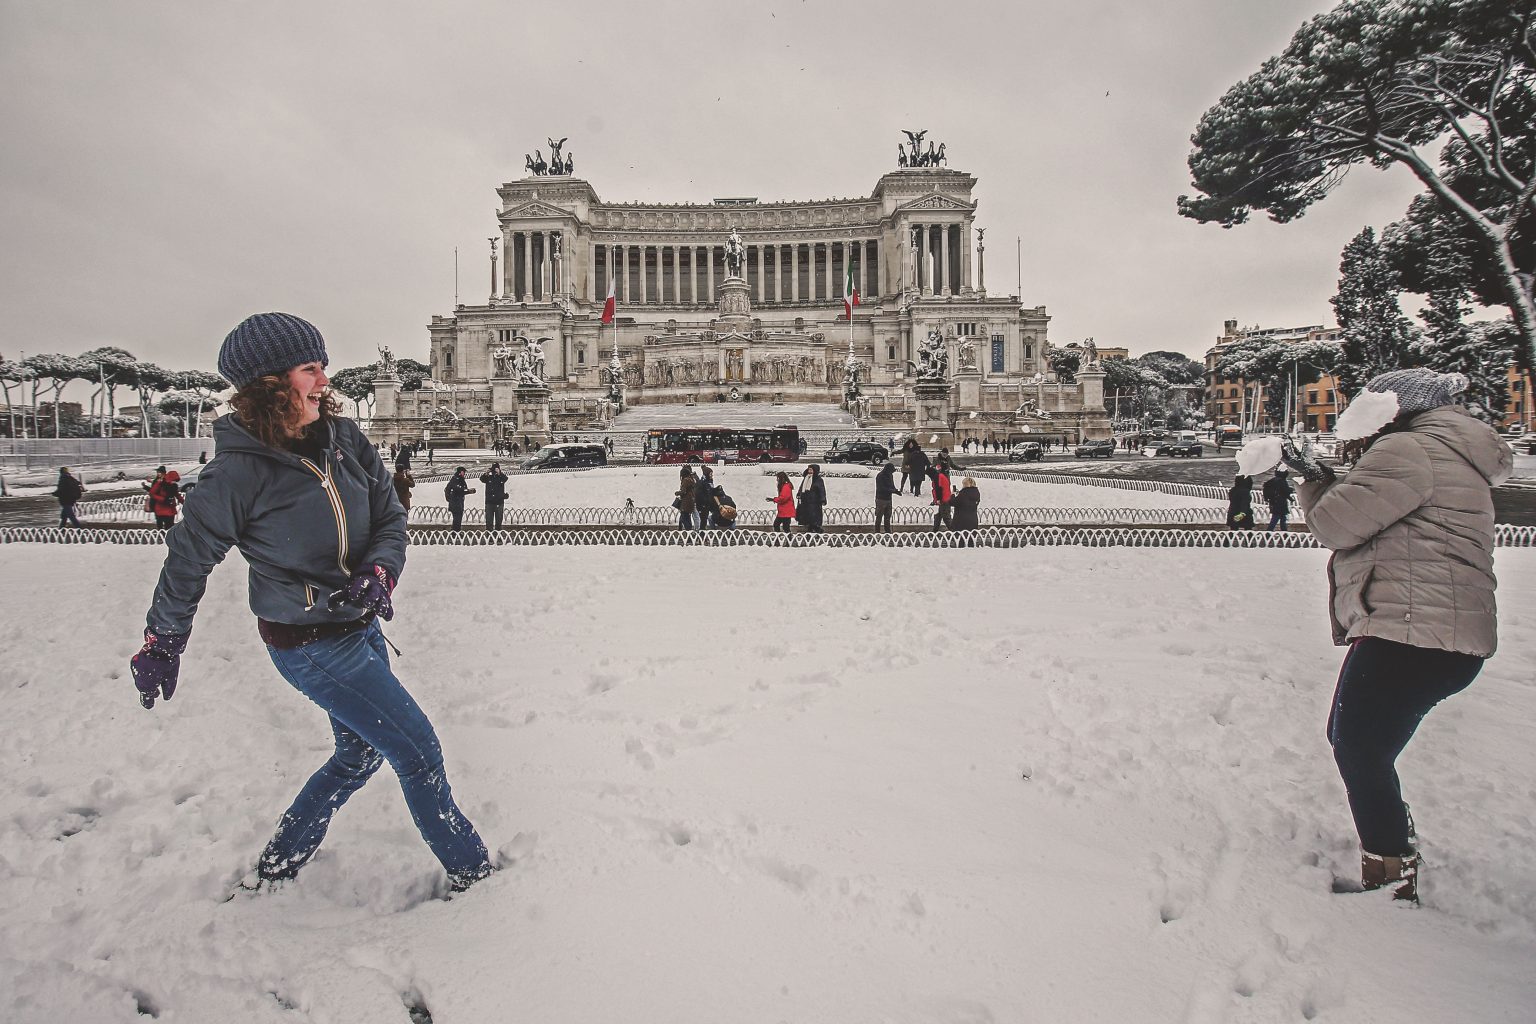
(1376, 334)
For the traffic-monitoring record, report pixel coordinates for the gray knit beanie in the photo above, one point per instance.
(269, 343)
(1420, 389)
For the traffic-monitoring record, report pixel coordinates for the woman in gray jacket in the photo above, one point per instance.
(303, 495)
(1411, 583)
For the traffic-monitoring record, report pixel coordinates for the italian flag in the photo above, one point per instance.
(609, 304)
(850, 292)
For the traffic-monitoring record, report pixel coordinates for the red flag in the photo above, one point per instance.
(609, 305)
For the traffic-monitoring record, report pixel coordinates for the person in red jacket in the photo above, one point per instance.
(164, 497)
(784, 504)
(941, 496)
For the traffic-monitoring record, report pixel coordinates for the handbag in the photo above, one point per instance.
(677, 503)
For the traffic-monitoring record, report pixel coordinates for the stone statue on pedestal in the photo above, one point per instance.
(501, 357)
(386, 362)
(932, 364)
(967, 354)
(531, 362)
(735, 256)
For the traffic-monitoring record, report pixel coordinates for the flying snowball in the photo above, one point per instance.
(1367, 413)
(933, 438)
(1259, 455)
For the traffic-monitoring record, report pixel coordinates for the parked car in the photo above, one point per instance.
(1026, 451)
(858, 451)
(566, 456)
(1186, 449)
(1097, 449)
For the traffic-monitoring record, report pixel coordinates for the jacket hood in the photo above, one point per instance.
(173, 476)
(1468, 437)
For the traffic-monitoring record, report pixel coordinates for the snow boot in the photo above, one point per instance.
(1379, 872)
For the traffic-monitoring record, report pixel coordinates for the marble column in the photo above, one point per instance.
(762, 278)
(965, 259)
(677, 275)
(645, 288)
(693, 274)
(709, 267)
(527, 291)
(778, 273)
(495, 293)
(944, 260)
(794, 272)
(624, 274)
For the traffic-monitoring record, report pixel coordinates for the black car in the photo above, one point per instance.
(1186, 449)
(566, 456)
(858, 451)
(1096, 449)
(1026, 451)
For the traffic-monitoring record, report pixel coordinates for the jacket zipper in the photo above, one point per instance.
(328, 484)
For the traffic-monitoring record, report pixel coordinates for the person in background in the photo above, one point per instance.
(495, 495)
(1240, 504)
(941, 496)
(918, 471)
(812, 498)
(706, 502)
(149, 485)
(1411, 591)
(165, 499)
(68, 492)
(403, 482)
(454, 492)
(307, 532)
(966, 502)
(1278, 493)
(885, 494)
(784, 503)
(686, 487)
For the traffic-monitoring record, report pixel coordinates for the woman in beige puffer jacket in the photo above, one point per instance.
(1411, 590)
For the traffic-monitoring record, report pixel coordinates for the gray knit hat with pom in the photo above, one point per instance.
(269, 343)
(1420, 389)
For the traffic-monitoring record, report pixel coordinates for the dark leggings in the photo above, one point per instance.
(1385, 689)
(781, 524)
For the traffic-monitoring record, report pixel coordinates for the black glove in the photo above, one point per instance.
(1303, 460)
(156, 665)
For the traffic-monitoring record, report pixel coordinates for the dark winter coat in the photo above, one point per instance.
(1278, 491)
(454, 491)
(685, 490)
(495, 488)
(813, 498)
(885, 483)
(965, 504)
(403, 484)
(706, 499)
(918, 462)
(1411, 527)
(1240, 505)
(69, 490)
(303, 525)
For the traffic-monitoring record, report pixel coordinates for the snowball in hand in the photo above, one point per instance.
(1367, 413)
(1259, 455)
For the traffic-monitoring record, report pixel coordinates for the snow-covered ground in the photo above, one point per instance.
(743, 785)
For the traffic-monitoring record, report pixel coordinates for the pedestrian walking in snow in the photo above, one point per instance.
(1412, 588)
(784, 503)
(885, 494)
(1278, 493)
(454, 492)
(403, 482)
(303, 495)
(812, 499)
(1240, 504)
(915, 465)
(68, 492)
(686, 486)
(495, 495)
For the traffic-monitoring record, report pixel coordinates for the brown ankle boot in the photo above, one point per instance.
(1378, 872)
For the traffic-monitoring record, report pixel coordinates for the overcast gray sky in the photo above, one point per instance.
(171, 167)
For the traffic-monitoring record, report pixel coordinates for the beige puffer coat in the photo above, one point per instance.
(1411, 527)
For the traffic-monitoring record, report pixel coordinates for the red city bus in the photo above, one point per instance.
(672, 445)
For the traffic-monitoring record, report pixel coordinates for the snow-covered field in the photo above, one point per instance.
(742, 785)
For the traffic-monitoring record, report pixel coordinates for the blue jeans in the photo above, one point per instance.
(1385, 689)
(1279, 517)
(374, 720)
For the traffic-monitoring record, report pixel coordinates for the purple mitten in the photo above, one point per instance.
(156, 665)
(370, 589)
